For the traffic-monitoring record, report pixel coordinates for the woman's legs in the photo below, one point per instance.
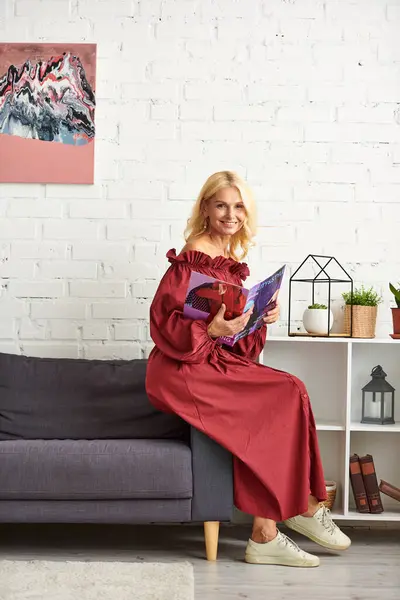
(264, 530)
(268, 546)
(313, 506)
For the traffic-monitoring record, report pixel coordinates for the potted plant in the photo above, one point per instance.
(396, 311)
(360, 311)
(315, 319)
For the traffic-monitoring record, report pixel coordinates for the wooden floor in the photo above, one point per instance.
(369, 570)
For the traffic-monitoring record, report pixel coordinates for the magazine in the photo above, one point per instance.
(205, 295)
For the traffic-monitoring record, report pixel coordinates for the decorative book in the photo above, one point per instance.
(389, 490)
(371, 484)
(205, 295)
(357, 484)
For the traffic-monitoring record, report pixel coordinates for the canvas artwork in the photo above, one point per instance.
(47, 108)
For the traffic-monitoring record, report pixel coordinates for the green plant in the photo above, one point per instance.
(318, 306)
(396, 293)
(362, 297)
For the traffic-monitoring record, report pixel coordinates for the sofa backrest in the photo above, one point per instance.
(61, 398)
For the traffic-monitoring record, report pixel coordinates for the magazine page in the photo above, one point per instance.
(205, 295)
(262, 298)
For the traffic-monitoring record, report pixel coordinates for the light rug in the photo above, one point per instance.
(72, 580)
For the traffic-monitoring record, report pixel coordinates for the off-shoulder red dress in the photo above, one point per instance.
(261, 415)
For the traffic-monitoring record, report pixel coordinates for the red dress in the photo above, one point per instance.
(261, 415)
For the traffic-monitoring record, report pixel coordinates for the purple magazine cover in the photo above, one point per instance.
(205, 295)
(262, 297)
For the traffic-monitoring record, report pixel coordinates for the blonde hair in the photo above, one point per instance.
(241, 241)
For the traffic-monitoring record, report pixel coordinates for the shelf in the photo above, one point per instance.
(334, 376)
(306, 338)
(330, 426)
(387, 340)
(375, 428)
(320, 335)
(353, 515)
(331, 339)
(387, 515)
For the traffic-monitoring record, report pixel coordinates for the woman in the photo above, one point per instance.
(261, 415)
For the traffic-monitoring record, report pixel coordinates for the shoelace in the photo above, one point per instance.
(326, 520)
(287, 541)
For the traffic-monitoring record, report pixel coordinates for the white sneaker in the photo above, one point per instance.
(320, 529)
(280, 551)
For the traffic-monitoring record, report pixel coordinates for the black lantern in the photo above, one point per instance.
(378, 399)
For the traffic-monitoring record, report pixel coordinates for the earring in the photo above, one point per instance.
(206, 224)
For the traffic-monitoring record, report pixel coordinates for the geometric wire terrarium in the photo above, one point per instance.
(317, 275)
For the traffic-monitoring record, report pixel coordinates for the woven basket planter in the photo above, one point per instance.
(331, 492)
(364, 320)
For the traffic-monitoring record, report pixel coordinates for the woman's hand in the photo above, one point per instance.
(272, 316)
(219, 327)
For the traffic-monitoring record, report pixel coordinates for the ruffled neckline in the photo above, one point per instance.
(197, 258)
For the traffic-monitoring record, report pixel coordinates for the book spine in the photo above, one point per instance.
(389, 490)
(371, 483)
(357, 484)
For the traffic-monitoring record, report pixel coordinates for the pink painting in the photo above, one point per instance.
(47, 106)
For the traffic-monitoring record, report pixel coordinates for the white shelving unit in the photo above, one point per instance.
(334, 371)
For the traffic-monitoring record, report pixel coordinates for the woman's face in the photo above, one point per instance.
(226, 212)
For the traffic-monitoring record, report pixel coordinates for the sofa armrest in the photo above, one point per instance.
(212, 479)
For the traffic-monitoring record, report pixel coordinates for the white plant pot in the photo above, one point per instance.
(315, 320)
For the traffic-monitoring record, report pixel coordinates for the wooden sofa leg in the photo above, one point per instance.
(211, 532)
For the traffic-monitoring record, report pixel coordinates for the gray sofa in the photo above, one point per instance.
(81, 443)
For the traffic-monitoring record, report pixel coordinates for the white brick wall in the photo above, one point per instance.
(300, 96)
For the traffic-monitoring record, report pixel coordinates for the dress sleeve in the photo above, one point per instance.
(176, 336)
(251, 346)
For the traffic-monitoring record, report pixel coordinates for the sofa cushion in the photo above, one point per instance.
(61, 398)
(94, 469)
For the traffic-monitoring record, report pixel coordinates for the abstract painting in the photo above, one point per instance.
(47, 107)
